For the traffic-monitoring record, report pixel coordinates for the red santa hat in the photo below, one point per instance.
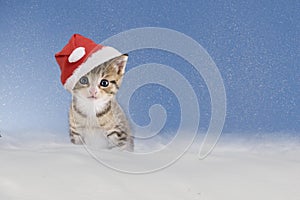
(79, 57)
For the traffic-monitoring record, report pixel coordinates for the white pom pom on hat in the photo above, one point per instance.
(76, 54)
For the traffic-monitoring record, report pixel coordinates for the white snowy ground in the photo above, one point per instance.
(261, 167)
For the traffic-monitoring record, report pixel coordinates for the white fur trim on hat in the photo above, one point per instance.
(94, 60)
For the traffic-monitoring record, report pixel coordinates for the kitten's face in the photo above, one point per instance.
(103, 82)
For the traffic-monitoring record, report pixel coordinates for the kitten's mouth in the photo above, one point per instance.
(92, 97)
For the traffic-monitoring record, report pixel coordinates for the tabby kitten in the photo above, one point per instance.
(94, 107)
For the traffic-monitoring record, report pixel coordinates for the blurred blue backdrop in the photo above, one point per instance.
(256, 46)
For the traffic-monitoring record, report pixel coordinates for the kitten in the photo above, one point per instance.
(94, 107)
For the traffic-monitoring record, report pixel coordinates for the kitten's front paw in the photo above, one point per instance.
(117, 138)
(76, 139)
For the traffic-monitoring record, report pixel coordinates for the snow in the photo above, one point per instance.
(50, 168)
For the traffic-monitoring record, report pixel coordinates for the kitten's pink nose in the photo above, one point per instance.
(93, 91)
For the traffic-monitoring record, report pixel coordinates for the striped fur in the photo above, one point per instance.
(94, 107)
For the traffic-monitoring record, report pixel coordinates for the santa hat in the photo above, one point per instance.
(79, 57)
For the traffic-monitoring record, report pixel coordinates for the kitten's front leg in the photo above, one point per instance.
(76, 138)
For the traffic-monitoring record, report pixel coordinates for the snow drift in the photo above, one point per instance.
(240, 167)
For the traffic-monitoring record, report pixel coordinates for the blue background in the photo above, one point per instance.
(256, 46)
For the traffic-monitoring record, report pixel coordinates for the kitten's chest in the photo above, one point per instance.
(90, 122)
(90, 107)
(88, 111)
(89, 126)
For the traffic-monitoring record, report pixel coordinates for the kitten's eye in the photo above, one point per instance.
(104, 83)
(84, 80)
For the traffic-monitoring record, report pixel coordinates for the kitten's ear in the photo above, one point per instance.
(120, 63)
